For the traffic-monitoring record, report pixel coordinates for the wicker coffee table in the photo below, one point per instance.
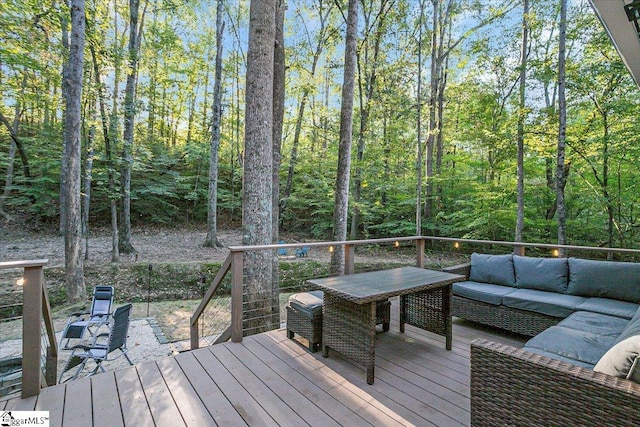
(349, 313)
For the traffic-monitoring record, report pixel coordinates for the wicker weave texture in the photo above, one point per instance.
(301, 324)
(513, 387)
(428, 310)
(350, 329)
(518, 321)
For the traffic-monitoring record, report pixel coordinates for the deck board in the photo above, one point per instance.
(163, 408)
(216, 403)
(325, 402)
(106, 410)
(250, 410)
(131, 398)
(190, 405)
(269, 380)
(77, 403)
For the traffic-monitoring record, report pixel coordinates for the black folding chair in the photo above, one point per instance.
(99, 352)
(89, 321)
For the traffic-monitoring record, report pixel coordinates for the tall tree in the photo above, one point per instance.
(72, 89)
(419, 145)
(521, 120)
(278, 121)
(324, 9)
(258, 166)
(135, 35)
(212, 208)
(341, 208)
(13, 131)
(107, 134)
(561, 179)
(368, 65)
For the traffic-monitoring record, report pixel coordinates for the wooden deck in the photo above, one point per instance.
(269, 380)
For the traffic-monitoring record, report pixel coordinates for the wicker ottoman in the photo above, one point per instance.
(304, 317)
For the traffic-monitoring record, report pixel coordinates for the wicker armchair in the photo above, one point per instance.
(513, 387)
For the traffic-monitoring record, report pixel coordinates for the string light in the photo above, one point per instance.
(396, 244)
(556, 252)
(330, 249)
(456, 245)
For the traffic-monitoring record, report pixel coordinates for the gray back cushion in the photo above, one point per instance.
(543, 274)
(496, 269)
(606, 279)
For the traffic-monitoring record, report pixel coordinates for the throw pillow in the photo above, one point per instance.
(621, 359)
(543, 274)
(495, 269)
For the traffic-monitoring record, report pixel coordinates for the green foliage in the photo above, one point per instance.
(475, 181)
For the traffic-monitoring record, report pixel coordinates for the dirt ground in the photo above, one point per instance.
(152, 245)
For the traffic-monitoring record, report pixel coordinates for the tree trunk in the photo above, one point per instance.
(72, 84)
(64, 26)
(106, 133)
(323, 15)
(521, 120)
(88, 178)
(278, 121)
(367, 94)
(431, 137)
(212, 222)
(12, 155)
(19, 146)
(9, 181)
(419, 145)
(561, 179)
(344, 154)
(258, 167)
(135, 31)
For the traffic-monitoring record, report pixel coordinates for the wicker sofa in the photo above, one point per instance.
(582, 364)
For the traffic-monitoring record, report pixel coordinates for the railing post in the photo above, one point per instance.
(237, 271)
(518, 250)
(420, 253)
(33, 279)
(349, 258)
(195, 335)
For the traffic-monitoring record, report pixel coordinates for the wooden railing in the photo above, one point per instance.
(35, 311)
(234, 264)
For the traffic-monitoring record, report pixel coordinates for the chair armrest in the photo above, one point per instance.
(79, 313)
(87, 347)
(463, 269)
(511, 386)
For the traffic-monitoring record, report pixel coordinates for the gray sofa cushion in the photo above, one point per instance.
(549, 303)
(494, 269)
(632, 328)
(600, 324)
(308, 303)
(611, 307)
(558, 357)
(574, 344)
(605, 279)
(485, 292)
(544, 274)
